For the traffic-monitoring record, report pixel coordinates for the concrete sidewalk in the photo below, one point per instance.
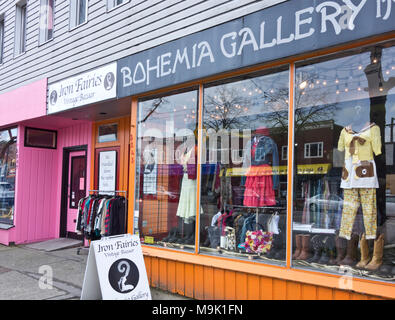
(21, 269)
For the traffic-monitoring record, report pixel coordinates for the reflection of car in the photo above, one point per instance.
(6, 192)
(332, 201)
(390, 205)
(329, 205)
(162, 191)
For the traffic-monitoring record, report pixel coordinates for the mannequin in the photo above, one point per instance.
(187, 204)
(359, 179)
(260, 155)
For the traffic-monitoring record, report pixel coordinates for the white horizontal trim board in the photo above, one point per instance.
(108, 36)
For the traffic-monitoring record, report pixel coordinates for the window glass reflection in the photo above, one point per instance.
(244, 171)
(167, 170)
(8, 153)
(343, 186)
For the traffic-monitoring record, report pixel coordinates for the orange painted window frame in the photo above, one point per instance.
(287, 272)
(122, 142)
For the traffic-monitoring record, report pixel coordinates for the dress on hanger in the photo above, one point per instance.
(187, 204)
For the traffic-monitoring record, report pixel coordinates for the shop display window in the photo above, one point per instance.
(166, 170)
(344, 173)
(244, 167)
(8, 157)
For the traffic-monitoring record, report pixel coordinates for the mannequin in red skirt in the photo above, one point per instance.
(260, 154)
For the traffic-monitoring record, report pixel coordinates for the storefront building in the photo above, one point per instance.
(31, 164)
(256, 156)
(224, 206)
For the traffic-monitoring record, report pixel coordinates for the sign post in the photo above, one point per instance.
(115, 270)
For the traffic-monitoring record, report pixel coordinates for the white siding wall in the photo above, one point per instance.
(108, 36)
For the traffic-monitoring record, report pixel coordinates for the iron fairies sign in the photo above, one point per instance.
(282, 30)
(90, 87)
(115, 270)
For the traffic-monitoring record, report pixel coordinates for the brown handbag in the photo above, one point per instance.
(365, 170)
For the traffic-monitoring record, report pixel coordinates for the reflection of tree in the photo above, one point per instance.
(276, 106)
(305, 117)
(224, 109)
(231, 108)
(155, 105)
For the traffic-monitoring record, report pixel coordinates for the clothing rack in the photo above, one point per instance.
(238, 206)
(107, 192)
(256, 209)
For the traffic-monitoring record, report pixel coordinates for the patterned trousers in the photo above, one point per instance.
(352, 200)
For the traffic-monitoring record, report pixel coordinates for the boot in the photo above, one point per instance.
(298, 250)
(340, 250)
(275, 247)
(171, 234)
(385, 270)
(281, 254)
(363, 244)
(325, 257)
(351, 254)
(177, 232)
(305, 254)
(378, 250)
(325, 251)
(317, 248)
(331, 245)
(187, 234)
(332, 257)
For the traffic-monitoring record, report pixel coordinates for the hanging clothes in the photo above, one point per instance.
(101, 216)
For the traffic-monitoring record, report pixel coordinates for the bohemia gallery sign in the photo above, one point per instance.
(282, 30)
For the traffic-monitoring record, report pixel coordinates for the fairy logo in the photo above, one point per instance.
(123, 276)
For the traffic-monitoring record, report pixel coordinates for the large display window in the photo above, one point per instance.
(166, 178)
(243, 169)
(8, 155)
(344, 173)
(343, 218)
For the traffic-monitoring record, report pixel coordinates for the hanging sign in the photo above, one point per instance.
(150, 171)
(115, 270)
(107, 171)
(90, 87)
(281, 30)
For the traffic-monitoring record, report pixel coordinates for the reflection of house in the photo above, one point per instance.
(315, 147)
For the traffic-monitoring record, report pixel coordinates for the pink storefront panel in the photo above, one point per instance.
(39, 182)
(23, 103)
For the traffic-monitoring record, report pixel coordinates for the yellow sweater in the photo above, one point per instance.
(361, 145)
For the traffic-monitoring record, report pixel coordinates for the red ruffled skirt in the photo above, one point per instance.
(259, 187)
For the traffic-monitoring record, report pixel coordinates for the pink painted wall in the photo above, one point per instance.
(24, 103)
(39, 183)
(18, 105)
